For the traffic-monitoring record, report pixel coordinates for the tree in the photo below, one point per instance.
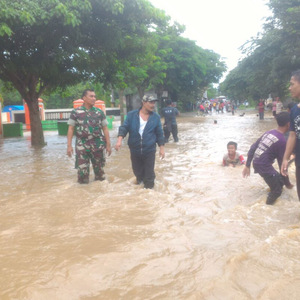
(50, 44)
(271, 57)
(39, 49)
(128, 64)
(190, 68)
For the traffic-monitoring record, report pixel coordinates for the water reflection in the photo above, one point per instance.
(204, 232)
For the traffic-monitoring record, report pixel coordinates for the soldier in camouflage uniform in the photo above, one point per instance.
(92, 137)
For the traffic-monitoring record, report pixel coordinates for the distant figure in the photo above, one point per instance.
(215, 106)
(232, 108)
(261, 109)
(232, 158)
(221, 107)
(92, 138)
(201, 109)
(264, 151)
(218, 107)
(274, 103)
(170, 125)
(279, 106)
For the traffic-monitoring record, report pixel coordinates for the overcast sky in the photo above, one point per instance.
(219, 25)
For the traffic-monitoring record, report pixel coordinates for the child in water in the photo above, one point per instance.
(232, 158)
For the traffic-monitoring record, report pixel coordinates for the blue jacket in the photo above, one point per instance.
(152, 134)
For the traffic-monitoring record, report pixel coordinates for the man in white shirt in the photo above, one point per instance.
(145, 131)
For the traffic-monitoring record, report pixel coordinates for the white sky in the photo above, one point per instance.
(219, 25)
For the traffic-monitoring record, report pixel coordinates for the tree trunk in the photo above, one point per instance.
(141, 92)
(159, 92)
(123, 107)
(112, 97)
(37, 134)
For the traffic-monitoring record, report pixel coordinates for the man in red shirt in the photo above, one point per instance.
(261, 109)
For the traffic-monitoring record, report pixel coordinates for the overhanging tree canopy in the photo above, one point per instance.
(271, 57)
(47, 44)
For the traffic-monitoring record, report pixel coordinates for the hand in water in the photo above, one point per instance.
(246, 172)
(118, 146)
(108, 150)
(70, 151)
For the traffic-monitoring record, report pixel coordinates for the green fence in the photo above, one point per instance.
(62, 127)
(12, 129)
(110, 120)
(49, 125)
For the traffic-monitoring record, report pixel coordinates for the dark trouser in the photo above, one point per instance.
(298, 181)
(143, 168)
(275, 182)
(261, 115)
(174, 131)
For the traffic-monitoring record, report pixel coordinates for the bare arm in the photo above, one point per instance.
(290, 146)
(69, 138)
(107, 140)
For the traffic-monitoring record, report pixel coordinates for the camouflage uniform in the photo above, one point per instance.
(90, 141)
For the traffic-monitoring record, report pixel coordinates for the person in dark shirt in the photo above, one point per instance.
(169, 113)
(270, 146)
(290, 106)
(293, 143)
(145, 131)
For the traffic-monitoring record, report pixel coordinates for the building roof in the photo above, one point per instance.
(9, 108)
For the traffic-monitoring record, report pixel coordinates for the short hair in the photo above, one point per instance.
(283, 118)
(290, 105)
(232, 144)
(168, 102)
(86, 91)
(296, 75)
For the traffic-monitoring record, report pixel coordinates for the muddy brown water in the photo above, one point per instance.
(204, 232)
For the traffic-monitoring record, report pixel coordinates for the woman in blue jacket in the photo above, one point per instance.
(145, 131)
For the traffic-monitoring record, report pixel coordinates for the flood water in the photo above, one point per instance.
(204, 232)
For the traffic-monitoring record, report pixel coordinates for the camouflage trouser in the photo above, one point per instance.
(83, 158)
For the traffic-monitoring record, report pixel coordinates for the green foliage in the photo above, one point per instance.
(212, 92)
(50, 44)
(53, 48)
(190, 69)
(5, 30)
(9, 94)
(63, 98)
(271, 57)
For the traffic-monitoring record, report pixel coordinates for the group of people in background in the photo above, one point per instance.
(207, 107)
(277, 107)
